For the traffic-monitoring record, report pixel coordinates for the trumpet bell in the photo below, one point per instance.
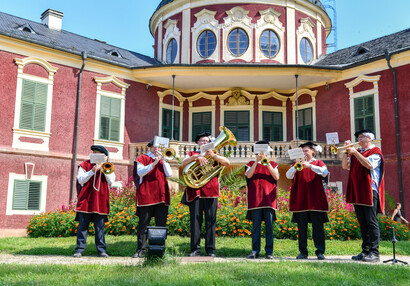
(107, 168)
(334, 150)
(265, 161)
(298, 166)
(169, 154)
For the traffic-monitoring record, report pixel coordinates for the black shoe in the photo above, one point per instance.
(302, 256)
(195, 253)
(212, 254)
(371, 258)
(139, 254)
(253, 255)
(359, 257)
(103, 254)
(78, 255)
(269, 256)
(320, 256)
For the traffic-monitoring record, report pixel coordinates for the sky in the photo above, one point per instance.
(124, 23)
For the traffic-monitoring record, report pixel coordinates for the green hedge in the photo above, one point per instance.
(231, 220)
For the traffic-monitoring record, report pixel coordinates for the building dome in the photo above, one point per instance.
(228, 31)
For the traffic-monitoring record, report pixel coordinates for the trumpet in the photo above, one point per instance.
(167, 154)
(336, 150)
(298, 165)
(106, 168)
(264, 161)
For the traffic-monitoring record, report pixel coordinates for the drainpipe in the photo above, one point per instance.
(396, 115)
(297, 108)
(77, 118)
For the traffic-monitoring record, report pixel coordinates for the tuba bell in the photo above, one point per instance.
(195, 175)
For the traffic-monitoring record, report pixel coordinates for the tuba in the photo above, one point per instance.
(195, 175)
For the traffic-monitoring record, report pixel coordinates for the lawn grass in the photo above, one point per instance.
(169, 271)
(179, 246)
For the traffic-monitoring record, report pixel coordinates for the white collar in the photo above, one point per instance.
(370, 147)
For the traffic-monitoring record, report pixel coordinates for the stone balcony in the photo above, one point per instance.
(242, 153)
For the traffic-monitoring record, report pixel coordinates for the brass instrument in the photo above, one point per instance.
(336, 150)
(264, 161)
(298, 165)
(107, 168)
(195, 175)
(168, 154)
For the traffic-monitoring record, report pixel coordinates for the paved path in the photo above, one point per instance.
(115, 260)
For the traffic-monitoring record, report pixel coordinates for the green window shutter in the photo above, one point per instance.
(272, 126)
(305, 124)
(364, 113)
(33, 106)
(201, 122)
(110, 118)
(167, 121)
(26, 195)
(238, 123)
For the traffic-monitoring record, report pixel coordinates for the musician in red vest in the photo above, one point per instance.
(93, 203)
(308, 200)
(262, 202)
(203, 200)
(152, 196)
(365, 190)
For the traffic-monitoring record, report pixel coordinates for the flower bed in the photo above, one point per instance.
(230, 221)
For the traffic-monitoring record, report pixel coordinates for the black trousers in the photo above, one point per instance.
(318, 232)
(369, 226)
(82, 231)
(159, 211)
(197, 208)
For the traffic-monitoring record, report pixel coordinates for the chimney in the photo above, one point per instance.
(52, 19)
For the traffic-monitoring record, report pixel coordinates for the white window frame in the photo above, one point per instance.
(192, 110)
(180, 108)
(270, 21)
(42, 137)
(205, 21)
(237, 19)
(172, 32)
(10, 193)
(353, 95)
(249, 107)
(282, 109)
(100, 92)
(312, 104)
(306, 31)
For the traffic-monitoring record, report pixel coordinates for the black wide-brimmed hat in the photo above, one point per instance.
(357, 133)
(199, 136)
(150, 143)
(100, 149)
(312, 145)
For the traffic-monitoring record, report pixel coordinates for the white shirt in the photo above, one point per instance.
(322, 171)
(83, 176)
(374, 160)
(144, 170)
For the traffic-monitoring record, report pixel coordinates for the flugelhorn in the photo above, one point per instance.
(336, 150)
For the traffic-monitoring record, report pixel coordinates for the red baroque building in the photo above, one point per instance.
(253, 66)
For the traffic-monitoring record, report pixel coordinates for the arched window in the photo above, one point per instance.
(306, 50)
(238, 42)
(206, 43)
(269, 43)
(172, 49)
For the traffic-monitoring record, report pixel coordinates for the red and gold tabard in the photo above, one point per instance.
(154, 188)
(359, 185)
(90, 200)
(308, 193)
(262, 188)
(210, 190)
